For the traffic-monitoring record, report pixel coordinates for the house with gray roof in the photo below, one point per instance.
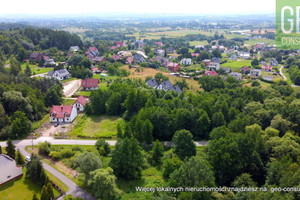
(138, 58)
(9, 169)
(152, 83)
(226, 69)
(236, 75)
(255, 72)
(168, 86)
(61, 74)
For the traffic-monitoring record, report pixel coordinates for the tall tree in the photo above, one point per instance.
(27, 70)
(20, 125)
(103, 147)
(19, 158)
(103, 184)
(157, 153)
(196, 172)
(127, 159)
(15, 66)
(88, 162)
(35, 171)
(47, 192)
(10, 149)
(183, 144)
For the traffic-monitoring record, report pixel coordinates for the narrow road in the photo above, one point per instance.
(71, 87)
(282, 74)
(39, 75)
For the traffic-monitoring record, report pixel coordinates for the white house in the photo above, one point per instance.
(63, 113)
(8, 169)
(255, 72)
(245, 55)
(214, 66)
(80, 103)
(61, 74)
(186, 61)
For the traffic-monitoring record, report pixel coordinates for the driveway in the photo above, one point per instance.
(71, 87)
(282, 74)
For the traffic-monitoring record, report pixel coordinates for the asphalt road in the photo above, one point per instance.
(74, 189)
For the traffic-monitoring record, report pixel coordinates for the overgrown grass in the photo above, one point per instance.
(96, 127)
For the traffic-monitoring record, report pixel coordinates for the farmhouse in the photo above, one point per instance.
(90, 84)
(36, 56)
(245, 55)
(8, 169)
(138, 58)
(63, 113)
(74, 48)
(61, 74)
(80, 103)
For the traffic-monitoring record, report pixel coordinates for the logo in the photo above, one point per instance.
(288, 24)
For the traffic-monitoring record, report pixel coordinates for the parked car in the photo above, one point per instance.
(56, 124)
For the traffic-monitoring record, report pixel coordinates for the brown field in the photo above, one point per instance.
(144, 72)
(256, 31)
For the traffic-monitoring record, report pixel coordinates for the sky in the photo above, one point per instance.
(210, 7)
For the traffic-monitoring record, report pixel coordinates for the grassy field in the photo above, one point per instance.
(285, 71)
(265, 41)
(37, 124)
(21, 189)
(193, 85)
(236, 65)
(169, 34)
(195, 43)
(96, 127)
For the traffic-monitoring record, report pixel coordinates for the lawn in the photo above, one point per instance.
(96, 127)
(265, 41)
(285, 71)
(144, 72)
(236, 65)
(21, 189)
(36, 69)
(37, 124)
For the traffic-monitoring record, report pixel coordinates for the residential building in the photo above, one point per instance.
(36, 57)
(170, 50)
(236, 75)
(8, 169)
(63, 113)
(273, 62)
(90, 84)
(80, 103)
(195, 54)
(138, 58)
(255, 72)
(233, 57)
(160, 52)
(142, 54)
(168, 86)
(125, 54)
(174, 67)
(74, 48)
(245, 55)
(226, 69)
(152, 83)
(186, 61)
(206, 62)
(245, 70)
(214, 66)
(210, 73)
(60, 75)
(216, 60)
(266, 68)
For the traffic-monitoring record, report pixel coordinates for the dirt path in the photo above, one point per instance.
(282, 74)
(71, 87)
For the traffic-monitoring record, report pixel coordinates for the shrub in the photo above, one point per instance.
(44, 148)
(55, 155)
(66, 153)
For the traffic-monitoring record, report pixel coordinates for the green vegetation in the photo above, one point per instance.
(96, 127)
(21, 188)
(236, 65)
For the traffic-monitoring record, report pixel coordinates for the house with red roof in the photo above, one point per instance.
(159, 44)
(63, 113)
(116, 57)
(210, 73)
(80, 103)
(266, 68)
(245, 70)
(90, 84)
(121, 44)
(129, 60)
(195, 54)
(174, 67)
